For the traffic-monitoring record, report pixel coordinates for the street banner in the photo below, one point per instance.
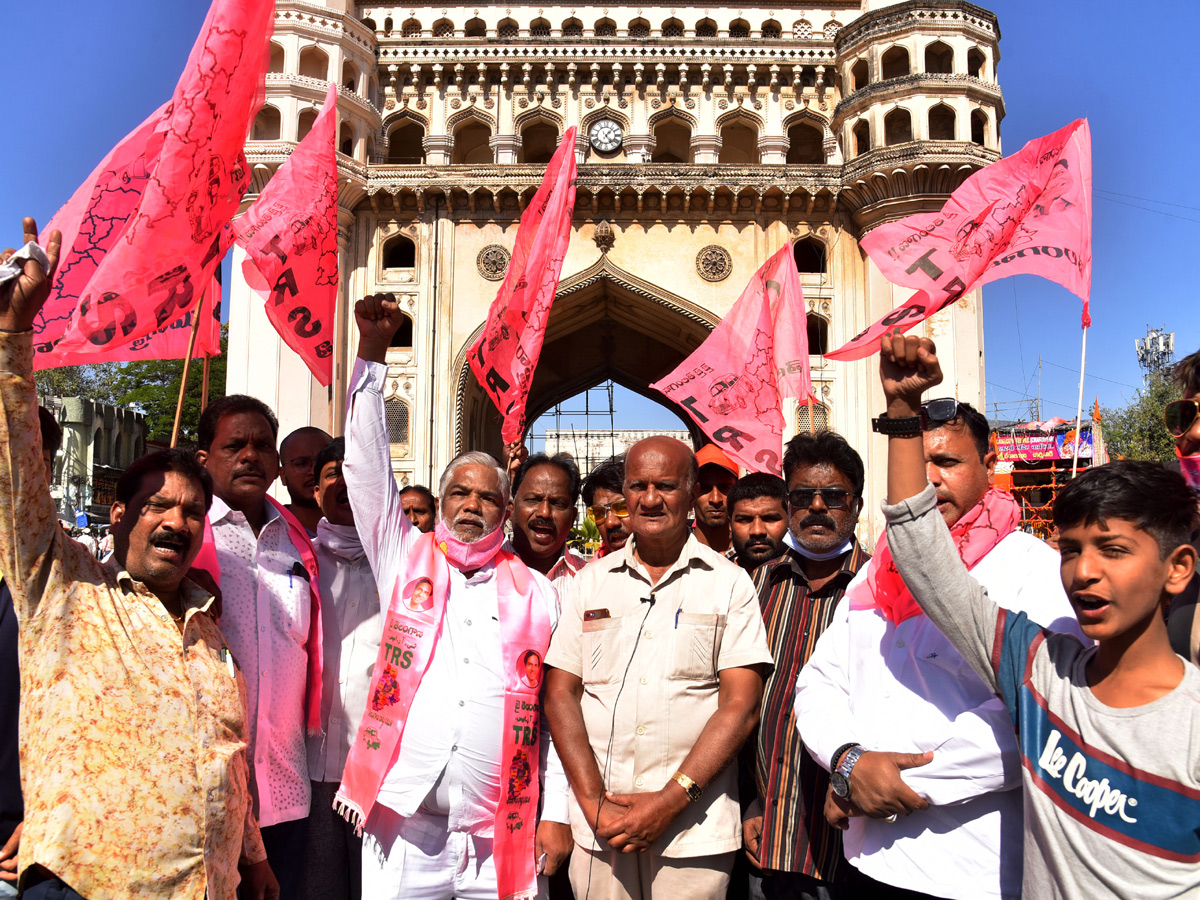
(1027, 447)
(291, 243)
(1028, 214)
(731, 385)
(506, 354)
(144, 233)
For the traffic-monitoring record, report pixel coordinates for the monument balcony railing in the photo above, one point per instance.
(920, 83)
(314, 89)
(450, 52)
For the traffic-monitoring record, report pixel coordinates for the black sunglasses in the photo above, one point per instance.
(1180, 414)
(935, 413)
(833, 498)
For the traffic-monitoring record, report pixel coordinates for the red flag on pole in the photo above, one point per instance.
(731, 385)
(506, 354)
(290, 238)
(1030, 213)
(143, 235)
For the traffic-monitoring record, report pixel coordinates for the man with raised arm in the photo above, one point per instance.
(654, 680)
(133, 724)
(446, 767)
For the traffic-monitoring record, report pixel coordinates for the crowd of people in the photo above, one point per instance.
(384, 693)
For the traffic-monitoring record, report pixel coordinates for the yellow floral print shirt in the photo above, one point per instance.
(132, 733)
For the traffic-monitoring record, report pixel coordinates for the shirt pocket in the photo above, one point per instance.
(601, 643)
(697, 644)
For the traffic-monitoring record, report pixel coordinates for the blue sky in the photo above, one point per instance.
(80, 74)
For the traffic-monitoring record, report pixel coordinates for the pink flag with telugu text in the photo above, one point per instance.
(291, 244)
(732, 383)
(171, 341)
(506, 354)
(1030, 213)
(144, 234)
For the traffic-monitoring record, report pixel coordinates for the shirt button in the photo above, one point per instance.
(638, 781)
(462, 703)
(468, 621)
(262, 628)
(467, 661)
(453, 747)
(644, 681)
(641, 729)
(649, 635)
(264, 673)
(899, 643)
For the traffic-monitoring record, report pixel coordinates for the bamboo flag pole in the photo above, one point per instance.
(187, 365)
(812, 425)
(1079, 409)
(204, 383)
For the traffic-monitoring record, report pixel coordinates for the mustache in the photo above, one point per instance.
(544, 523)
(467, 519)
(251, 469)
(170, 540)
(824, 521)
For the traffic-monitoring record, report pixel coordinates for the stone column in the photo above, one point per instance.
(639, 148)
(773, 148)
(706, 148)
(437, 149)
(506, 148)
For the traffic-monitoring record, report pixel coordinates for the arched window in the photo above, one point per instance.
(831, 29)
(860, 75)
(809, 254)
(979, 127)
(539, 28)
(897, 127)
(806, 145)
(572, 28)
(639, 29)
(539, 140)
(706, 28)
(941, 123)
(305, 123)
(739, 143)
(387, 25)
(812, 419)
(410, 29)
(802, 30)
(672, 28)
(399, 252)
(403, 338)
(350, 77)
(939, 59)
(266, 125)
(739, 29)
(895, 63)
(772, 31)
(405, 143)
(471, 143)
(605, 28)
(672, 141)
(346, 139)
(475, 28)
(98, 449)
(314, 63)
(276, 58)
(818, 334)
(443, 28)
(397, 413)
(862, 137)
(508, 30)
(975, 62)
(370, 23)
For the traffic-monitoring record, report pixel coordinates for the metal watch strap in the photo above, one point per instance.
(837, 754)
(905, 425)
(693, 790)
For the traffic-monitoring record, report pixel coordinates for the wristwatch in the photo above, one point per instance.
(840, 779)
(901, 427)
(693, 790)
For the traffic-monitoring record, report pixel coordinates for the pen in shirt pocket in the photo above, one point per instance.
(227, 658)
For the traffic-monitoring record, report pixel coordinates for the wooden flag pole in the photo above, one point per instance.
(1079, 409)
(204, 383)
(812, 425)
(187, 365)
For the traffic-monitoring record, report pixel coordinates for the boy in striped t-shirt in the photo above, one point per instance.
(1108, 734)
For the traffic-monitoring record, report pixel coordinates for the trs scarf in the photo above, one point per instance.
(409, 638)
(1189, 467)
(984, 526)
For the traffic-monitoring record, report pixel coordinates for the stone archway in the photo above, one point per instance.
(605, 324)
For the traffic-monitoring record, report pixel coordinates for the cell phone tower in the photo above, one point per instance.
(1155, 351)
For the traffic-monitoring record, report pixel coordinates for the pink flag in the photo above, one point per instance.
(143, 235)
(506, 354)
(1030, 213)
(171, 341)
(291, 242)
(732, 383)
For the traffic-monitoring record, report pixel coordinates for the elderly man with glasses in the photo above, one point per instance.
(1182, 418)
(924, 765)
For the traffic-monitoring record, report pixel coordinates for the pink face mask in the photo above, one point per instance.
(468, 557)
(1190, 467)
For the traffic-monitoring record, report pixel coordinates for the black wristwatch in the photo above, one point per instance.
(901, 427)
(840, 779)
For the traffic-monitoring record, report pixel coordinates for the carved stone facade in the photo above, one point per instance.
(708, 138)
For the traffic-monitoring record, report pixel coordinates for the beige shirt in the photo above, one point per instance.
(650, 675)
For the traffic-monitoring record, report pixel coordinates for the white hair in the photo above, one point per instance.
(473, 458)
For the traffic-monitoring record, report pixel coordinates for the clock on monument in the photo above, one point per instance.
(605, 136)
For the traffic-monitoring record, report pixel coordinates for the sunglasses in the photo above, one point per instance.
(938, 412)
(599, 511)
(833, 498)
(1180, 415)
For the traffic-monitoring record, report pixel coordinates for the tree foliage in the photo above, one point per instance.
(93, 382)
(1136, 431)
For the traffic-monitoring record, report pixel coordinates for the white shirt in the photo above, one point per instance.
(919, 695)
(353, 626)
(265, 611)
(449, 757)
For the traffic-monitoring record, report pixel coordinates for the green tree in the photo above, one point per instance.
(1136, 431)
(92, 382)
(153, 387)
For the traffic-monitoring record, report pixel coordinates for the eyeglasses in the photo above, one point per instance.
(833, 498)
(599, 512)
(1180, 415)
(300, 462)
(938, 412)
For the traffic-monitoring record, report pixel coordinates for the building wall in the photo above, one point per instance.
(660, 249)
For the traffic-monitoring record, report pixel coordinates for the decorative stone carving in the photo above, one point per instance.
(604, 236)
(492, 262)
(714, 263)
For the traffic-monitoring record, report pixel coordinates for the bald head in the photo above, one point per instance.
(660, 478)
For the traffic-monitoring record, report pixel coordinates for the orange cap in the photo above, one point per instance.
(711, 454)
